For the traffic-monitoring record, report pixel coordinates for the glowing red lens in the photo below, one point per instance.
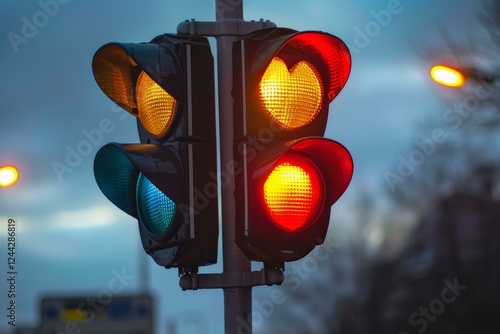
(293, 192)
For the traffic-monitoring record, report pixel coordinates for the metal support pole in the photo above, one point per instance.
(237, 301)
(229, 9)
(236, 279)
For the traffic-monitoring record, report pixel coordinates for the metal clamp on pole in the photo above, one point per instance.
(266, 276)
(225, 27)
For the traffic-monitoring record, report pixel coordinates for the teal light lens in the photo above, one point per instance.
(156, 210)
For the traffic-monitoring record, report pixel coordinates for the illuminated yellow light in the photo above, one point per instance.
(156, 106)
(447, 76)
(292, 193)
(292, 98)
(8, 176)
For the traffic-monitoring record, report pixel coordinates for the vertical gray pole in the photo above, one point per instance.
(237, 301)
(143, 274)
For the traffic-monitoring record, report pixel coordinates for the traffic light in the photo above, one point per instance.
(288, 176)
(168, 181)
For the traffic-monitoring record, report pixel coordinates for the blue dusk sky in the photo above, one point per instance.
(70, 238)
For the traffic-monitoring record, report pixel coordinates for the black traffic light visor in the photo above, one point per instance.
(116, 67)
(117, 168)
(331, 158)
(329, 54)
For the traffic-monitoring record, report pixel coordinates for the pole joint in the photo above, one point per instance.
(224, 27)
(266, 276)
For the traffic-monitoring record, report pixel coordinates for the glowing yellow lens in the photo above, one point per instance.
(447, 76)
(292, 98)
(293, 193)
(8, 176)
(156, 106)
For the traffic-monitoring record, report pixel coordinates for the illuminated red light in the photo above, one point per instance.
(293, 192)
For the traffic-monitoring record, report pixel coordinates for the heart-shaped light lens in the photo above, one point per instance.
(291, 98)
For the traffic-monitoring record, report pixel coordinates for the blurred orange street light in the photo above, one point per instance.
(8, 176)
(447, 76)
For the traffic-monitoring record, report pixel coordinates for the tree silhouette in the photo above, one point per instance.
(469, 122)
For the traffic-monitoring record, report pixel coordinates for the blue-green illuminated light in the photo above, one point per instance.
(156, 210)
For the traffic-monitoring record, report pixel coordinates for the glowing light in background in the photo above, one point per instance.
(447, 76)
(8, 176)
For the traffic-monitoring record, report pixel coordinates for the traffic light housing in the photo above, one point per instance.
(289, 176)
(167, 182)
